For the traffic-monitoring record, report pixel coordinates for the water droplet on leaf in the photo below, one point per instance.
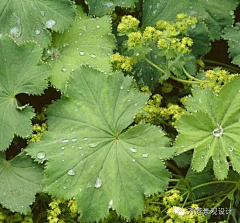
(71, 173)
(41, 155)
(81, 53)
(133, 150)
(50, 23)
(98, 183)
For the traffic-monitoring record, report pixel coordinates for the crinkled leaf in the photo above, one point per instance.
(215, 15)
(90, 154)
(20, 181)
(29, 20)
(232, 35)
(88, 41)
(19, 73)
(103, 7)
(213, 131)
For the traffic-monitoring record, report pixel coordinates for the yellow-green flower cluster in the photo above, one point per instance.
(182, 215)
(39, 130)
(200, 64)
(152, 112)
(61, 211)
(128, 24)
(172, 197)
(8, 217)
(134, 39)
(217, 78)
(166, 88)
(124, 63)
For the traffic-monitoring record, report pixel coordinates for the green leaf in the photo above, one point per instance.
(213, 130)
(231, 34)
(88, 41)
(20, 181)
(29, 20)
(214, 15)
(103, 7)
(90, 154)
(19, 73)
(183, 160)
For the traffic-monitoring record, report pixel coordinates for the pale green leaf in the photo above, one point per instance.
(29, 20)
(88, 41)
(103, 7)
(214, 14)
(19, 73)
(20, 181)
(90, 153)
(232, 35)
(213, 129)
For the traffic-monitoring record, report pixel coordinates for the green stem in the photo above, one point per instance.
(185, 81)
(185, 199)
(221, 64)
(214, 182)
(174, 180)
(154, 65)
(190, 76)
(171, 76)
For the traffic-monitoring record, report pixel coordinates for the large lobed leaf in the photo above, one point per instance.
(88, 41)
(90, 154)
(20, 181)
(29, 20)
(19, 73)
(213, 129)
(232, 35)
(103, 7)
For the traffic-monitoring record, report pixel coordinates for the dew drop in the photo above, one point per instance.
(218, 131)
(193, 26)
(14, 31)
(93, 56)
(41, 155)
(98, 183)
(133, 150)
(144, 155)
(88, 184)
(42, 13)
(37, 32)
(85, 139)
(64, 187)
(71, 173)
(62, 147)
(65, 140)
(133, 160)
(230, 149)
(74, 140)
(98, 26)
(92, 145)
(121, 88)
(64, 69)
(80, 147)
(110, 203)
(81, 53)
(50, 23)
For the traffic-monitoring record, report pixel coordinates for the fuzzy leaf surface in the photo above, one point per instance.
(20, 181)
(90, 154)
(29, 20)
(103, 7)
(19, 73)
(88, 41)
(213, 129)
(231, 34)
(212, 13)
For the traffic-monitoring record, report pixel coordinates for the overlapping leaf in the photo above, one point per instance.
(232, 35)
(20, 181)
(29, 20)
(212, 13)
(92, 157)
(102, 7)
(88, 41)
(19, 73)
(213, 129)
